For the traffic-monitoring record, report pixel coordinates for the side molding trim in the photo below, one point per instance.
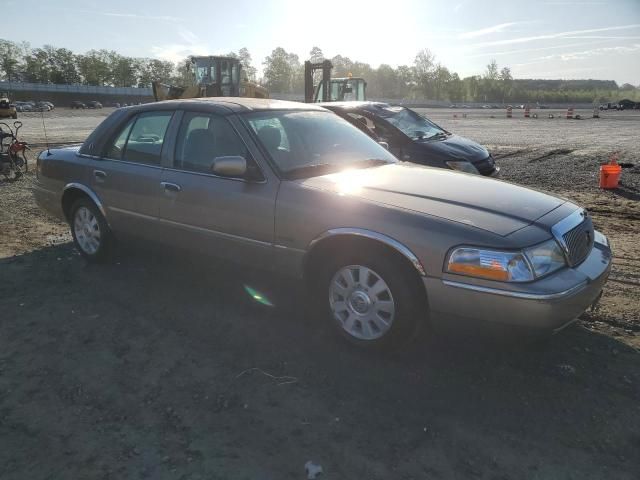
(386, 240)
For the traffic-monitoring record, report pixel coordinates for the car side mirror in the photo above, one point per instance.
(232, 166)
(384, 144)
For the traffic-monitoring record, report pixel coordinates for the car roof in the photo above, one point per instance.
(366, 105)
(228, 104)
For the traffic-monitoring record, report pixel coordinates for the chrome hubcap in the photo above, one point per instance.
(361, 302)
(87, 230)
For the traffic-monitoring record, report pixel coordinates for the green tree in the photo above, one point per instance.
(455, 88)
(342, 66)
(11, 59)
(124, 70)
(152, 70)
(316, 55)
(278, 71)
(506, 79)
(245, 60)
(93, 66)
(425, 67)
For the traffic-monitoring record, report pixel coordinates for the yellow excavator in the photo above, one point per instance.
(212, 76)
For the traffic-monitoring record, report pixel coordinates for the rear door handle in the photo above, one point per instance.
(173, 187)
(99, 175)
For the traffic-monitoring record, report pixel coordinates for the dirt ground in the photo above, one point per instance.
(160, 366)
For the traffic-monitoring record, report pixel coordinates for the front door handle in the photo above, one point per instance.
(99, 174)
(173, 187)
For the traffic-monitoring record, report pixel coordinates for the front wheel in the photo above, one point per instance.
(91, 234)
(374, 302)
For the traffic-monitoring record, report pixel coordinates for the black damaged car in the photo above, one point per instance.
(414, 138)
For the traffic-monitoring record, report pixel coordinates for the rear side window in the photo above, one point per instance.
(146, 138)
(141, 139)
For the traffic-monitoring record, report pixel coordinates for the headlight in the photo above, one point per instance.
(462, 166)
(532, 263)
(490, 264)
(600, 238)
(545, 258)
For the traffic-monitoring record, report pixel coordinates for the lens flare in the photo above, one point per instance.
(259, 297)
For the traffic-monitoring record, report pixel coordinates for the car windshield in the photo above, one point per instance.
(410, 123)
(310, 143)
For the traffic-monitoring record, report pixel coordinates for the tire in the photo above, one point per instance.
(361, 313)
(14, 116)
(91, 234)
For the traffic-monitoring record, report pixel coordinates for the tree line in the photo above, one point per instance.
(283, 72)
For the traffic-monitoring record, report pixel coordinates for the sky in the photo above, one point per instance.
(567, 39)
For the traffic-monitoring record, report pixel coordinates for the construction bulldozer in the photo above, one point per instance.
(329, 89)
(211, 76)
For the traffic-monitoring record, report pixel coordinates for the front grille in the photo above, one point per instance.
(579, 241)
(486, 166)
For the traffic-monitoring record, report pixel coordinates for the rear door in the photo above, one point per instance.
(127, 177)
(229, 217)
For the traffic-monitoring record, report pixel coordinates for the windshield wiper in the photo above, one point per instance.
(437, 135)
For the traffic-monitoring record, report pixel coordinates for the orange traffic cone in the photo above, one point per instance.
(509, 112)
(526, 112)
(569, 113)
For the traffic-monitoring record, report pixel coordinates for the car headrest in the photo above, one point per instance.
(270, 136)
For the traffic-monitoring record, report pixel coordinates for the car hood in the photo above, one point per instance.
(495, 206)
(455, 147)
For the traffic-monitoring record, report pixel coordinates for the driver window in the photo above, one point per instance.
(202, 138)
(383, 132)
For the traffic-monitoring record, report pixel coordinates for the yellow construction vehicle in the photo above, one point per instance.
(7, 109)
(329, 89)
(212, 76)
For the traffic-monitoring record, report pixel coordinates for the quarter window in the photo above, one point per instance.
(117, 147)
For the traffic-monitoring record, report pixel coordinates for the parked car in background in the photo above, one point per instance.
(42, 107)
(76, 104)
(23, 107)
(626, 104)
(384, 246)
(94, 104)
(414, 138)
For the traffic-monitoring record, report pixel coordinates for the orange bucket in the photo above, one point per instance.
(610, 175)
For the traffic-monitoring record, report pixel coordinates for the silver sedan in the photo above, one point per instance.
(386, 246)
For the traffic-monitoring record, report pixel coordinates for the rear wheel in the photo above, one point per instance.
(91, 234)
(373, 302)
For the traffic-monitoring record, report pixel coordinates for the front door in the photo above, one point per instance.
(231, 218)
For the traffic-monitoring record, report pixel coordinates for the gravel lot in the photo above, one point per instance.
(158, 366)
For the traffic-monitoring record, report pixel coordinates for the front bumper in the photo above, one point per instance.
(550, 303)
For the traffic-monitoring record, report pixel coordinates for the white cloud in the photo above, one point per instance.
(591, 53)
(486, 31)
(176, 52)
(163, 18)
(527, 50)
(552, 36)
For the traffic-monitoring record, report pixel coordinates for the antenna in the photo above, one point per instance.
(44, 127)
